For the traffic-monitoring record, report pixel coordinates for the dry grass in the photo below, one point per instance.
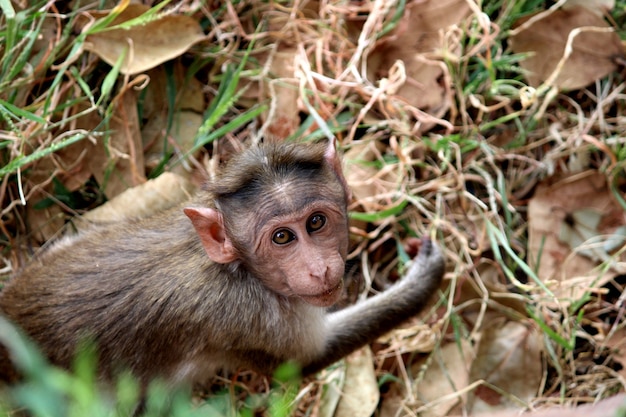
(449, 142)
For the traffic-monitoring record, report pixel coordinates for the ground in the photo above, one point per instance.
(495, 128)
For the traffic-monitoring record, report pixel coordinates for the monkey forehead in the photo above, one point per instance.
(297, 198)
(284, 191)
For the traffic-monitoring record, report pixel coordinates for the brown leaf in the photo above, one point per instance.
(154, 196)
(360, 394)
(364, 178)
(508, 357)
(71, 166)
(592, 57)
(73, 163)
(609, 407)
(444, 377)
(146, 45)
(186, 120)
(598, 7)
(417, 42)
(551, 209)
(44, 223)
(281, 88)
(124, 150)
(284, 93)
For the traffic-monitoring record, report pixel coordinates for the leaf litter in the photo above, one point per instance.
(447, 133)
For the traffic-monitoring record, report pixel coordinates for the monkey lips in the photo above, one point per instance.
(326, 298)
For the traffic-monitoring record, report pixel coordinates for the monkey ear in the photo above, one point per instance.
(333, 159)
(209, 226)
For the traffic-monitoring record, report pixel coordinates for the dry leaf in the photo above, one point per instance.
(154, 196)
(364, 178)
(77, 163)
(283, 91)
(124, 150)
(616, 342)
(598, 7)
(71, 166)
(280, 87)
(146, 46)
(593, 54)
(582, 226)
(187, 115)
(417, 42)
(186, 126)
(550, 211)
(415, 338)
(444, 377)
(508, 357)
(360, 391)
(611, 407)
(45, 223)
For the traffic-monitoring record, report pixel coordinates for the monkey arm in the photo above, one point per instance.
(357, 325)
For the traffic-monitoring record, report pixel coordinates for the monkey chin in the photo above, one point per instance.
(325, 299)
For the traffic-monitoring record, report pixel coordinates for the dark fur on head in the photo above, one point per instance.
(260, 169)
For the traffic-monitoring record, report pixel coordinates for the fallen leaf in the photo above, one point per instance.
(598, 7)
(45, 223)
(555, 207)
(71, 166)
(582, 226)
(593, 52)
(617, 343)
(392, 401)
(163, 192)
(121, 164)
(613, 406)
(185, 118)
(363, 174)
(280, 88)
(444, 377)
(123, 151)
(414, 338)
(145, 45)
(284, 117)
(509, 358)
(360, 392)
(418, 41)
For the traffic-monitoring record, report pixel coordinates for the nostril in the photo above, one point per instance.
(321, 275)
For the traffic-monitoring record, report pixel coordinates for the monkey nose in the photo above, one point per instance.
(320, 275)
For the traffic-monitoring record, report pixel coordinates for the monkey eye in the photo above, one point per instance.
(315, 222)
(283, 236)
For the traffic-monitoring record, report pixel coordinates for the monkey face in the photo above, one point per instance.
(280, 214)
(303, 254)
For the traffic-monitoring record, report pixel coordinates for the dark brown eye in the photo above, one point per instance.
(283, 236)
(315, 222)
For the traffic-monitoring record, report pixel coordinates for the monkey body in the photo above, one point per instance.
(155, 320)
(240, 277)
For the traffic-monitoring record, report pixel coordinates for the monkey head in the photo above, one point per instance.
(280, 212)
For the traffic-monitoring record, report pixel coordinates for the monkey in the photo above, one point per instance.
(240, 277)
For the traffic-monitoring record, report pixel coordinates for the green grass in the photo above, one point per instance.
(48, 391)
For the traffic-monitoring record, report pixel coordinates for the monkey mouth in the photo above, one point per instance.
(326, 298)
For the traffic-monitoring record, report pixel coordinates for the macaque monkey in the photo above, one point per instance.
(239, 277)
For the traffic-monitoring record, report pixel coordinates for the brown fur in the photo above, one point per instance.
(203, 286)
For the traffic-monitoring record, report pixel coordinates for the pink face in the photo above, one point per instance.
(303, 254)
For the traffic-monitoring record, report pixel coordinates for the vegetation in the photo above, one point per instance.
(495, 127)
